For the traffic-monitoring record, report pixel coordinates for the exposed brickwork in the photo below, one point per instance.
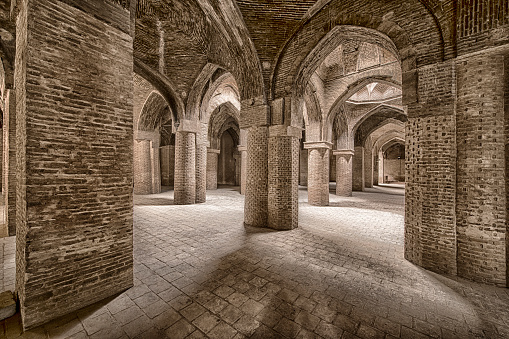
(283, 182)
(480, 199)
(303, 165)
(185, 162)
(358, 169)
(201, 163)
(167, 156)
(156, 168)
(255, 206)
(344, 175)
(212, 155)
(142, 167)
(430, 192)
(74, 139)
(368, 167)
(9, 171)
(318, 176)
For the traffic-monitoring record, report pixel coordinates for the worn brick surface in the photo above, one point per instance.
(318, 176)
(74, 213)
(185, 164)
(481, 207)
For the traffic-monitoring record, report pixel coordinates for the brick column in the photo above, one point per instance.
(283, 177)
(212, 157)
(318, 172)
(368, 167)
(376, 159)
(142, 167)
(201, 163)
(156, 168)
(303, 161)
(242, 148)
(165, 165)
(9, 174)
(380, 167)
(358, 169)
(344, 172)
(255, 203)
(185, 164)
(481, 208)
(74, 140)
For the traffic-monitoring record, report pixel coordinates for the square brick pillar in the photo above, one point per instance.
(481, 207)
(201, 163)
(368, 167)
(74, 140)
(242, 148)
(9, 170)
(212, 158)
(185, 164)
(344, 172)
(156, 168)
(318, 172)
(164, 155)
(142, 167)
(283, 193)
(358, 169)
(303, 165)
(376, 159)
(255, 203)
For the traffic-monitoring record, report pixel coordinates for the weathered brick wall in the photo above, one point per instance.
(164, 155)
(332, 168)
(318, 176)
(283, 180)
(358, 169)
(74, 178)
(255, 203)
(506, 130)
(481, 198)
(368, 167)
(156, 168)
(185, 164)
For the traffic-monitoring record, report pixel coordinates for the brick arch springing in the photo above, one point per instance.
(223, 117)
(155, 112)
(398, 113)
(374, 122)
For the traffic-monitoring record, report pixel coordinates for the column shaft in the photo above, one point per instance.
(142, 167)
(255, 203)
(358, 169)
(318, 173)
(343, 173)
(201, 163)
(212, 157)
(185, 164)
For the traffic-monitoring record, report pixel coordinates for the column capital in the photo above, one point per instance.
(343, 152)
(285, 131)
(213, 150)
(317, 144)
(254, 112)
(242, 148)
(190, 126)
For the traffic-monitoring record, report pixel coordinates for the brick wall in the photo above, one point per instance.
(303, 167)
(344, 175)
(74, 178)
(201, 163)
(481, 198)
(212, 157)
(9, 172)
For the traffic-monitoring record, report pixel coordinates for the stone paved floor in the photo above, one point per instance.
(200, 273)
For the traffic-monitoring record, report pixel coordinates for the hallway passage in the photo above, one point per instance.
(200, 273)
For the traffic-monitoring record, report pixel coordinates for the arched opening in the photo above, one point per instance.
(228, 169)
(393, 163)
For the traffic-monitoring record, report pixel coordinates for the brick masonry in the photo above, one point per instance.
(212, 156)
(344, 172)
(256, 201)
(283, 177)
(481, 207)
(358, 169)
(318, 175)
(74, 157)
(185, 162)
(9, 170)
(142, 167)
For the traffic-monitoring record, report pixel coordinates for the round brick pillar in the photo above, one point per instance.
(368, 167)
(212, 157)
(318, 172)
(185, 165)
(255, 203)
(142, 167)
(358, 169)
(201, 164)
(344, 173)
